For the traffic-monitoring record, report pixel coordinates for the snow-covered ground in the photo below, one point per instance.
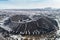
(58, 31)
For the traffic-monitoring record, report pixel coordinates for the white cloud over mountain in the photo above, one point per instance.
(29, 4)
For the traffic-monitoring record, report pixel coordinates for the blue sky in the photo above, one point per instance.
(16, 4)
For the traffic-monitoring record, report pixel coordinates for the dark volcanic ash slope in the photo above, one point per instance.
(24, 25)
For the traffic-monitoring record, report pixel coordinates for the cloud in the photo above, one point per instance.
(30, 4)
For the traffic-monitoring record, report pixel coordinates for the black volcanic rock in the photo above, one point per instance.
(29, 26)
(19, 17)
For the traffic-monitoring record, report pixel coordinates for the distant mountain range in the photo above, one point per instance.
(37, 9)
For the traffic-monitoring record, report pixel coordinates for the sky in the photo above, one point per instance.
(28, 4)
